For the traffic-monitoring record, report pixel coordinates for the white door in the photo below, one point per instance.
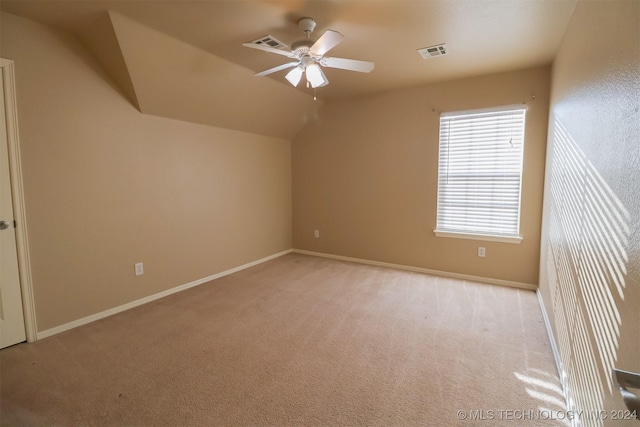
(12, 329)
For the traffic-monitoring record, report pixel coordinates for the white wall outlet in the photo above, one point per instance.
(481, 251)
(139, 269)
(316, 233)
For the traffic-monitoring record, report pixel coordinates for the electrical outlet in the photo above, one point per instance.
(316, 233)
(139, 269)
(481, 251)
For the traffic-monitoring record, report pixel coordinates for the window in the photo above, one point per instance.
(480, 174)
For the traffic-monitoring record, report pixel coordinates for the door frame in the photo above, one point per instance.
(17, 192)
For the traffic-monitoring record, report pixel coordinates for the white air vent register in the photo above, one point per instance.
(432, 51)
(270, 41)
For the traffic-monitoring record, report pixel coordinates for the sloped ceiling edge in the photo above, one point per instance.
(167, 77)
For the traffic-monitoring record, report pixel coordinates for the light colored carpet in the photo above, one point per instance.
(298, 340)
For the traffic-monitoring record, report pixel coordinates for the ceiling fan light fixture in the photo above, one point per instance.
(294, 76)
(315, 76)
(309, 55)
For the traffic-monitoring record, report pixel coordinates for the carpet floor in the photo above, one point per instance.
(297, 341)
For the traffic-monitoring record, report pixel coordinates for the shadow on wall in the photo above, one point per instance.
(587, 266)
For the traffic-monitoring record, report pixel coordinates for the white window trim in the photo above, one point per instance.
(485, 110)
(515, 239)
(484, 237)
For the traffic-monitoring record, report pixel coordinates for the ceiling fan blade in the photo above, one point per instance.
(326, 42)
(269, 49)
(278, 68)
(347, 64)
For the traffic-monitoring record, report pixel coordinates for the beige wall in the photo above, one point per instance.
(365, 175)
(107, 186)
(590, 269)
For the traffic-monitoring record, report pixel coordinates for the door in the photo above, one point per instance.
(12, 330)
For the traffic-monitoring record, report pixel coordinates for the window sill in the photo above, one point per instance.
(485, 237)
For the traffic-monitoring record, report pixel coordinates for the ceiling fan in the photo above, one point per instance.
(309, 56)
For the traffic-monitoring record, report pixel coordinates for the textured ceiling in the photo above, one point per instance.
(482, 37)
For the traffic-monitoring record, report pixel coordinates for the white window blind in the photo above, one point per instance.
(480, 171)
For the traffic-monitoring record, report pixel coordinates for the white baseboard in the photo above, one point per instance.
(74, 324)
(467, 277)
(552, 339)
(575, 422)
(83, 321)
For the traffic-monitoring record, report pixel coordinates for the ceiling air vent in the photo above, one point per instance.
(270, 41)
(431, 51)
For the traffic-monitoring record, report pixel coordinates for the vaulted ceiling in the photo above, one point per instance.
(184, 59)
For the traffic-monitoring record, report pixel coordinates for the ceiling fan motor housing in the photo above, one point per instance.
(302, 46)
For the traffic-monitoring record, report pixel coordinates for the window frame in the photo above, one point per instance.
(471, 234)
